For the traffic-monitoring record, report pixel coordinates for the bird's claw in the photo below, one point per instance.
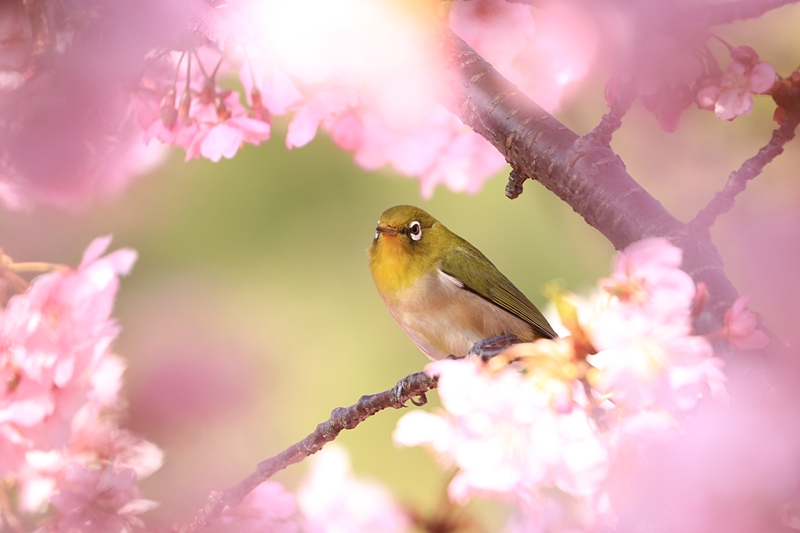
(488, 348)
(419, 401)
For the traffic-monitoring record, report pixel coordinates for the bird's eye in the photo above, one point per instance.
(415, 231)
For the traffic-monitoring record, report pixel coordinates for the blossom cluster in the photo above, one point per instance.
(364, 71)
(63, 455)
(551, 424)
(672, 75)
(361, 70)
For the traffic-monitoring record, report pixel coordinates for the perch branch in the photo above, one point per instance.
(582, 171)
(411, 388)
(737, 182)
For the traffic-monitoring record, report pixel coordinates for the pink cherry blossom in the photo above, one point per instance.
(741, 327)
(269, 508)
(277, 90)
(541, 50)
(326, 103)
(207, 121)
(731, 96)
(437, 150)
(54, 352)
(501, 430)
(332, 500)
(662, 66)
(647, 353)
(53, 338)
(98, 500)
(647, 275)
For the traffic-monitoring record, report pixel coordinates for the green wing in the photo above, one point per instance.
(483, 279)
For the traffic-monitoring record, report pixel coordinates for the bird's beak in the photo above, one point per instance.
(386, 231)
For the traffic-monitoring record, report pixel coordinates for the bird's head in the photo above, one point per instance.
(408, 242)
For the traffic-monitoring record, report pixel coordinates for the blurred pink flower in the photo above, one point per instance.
(668, 104)
(501, 431)
(541, 50)
(647, 277)
(53, 338)
(324, 103)
(54, 342)
(741, 327)
(277, 90)
(67, 134)
(98, 500)
(647, 353)
(438, 149)
(332, 500)
(269, 508)
(220, 22)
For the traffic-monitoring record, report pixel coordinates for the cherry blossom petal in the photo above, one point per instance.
(741, 327)
(762, 78)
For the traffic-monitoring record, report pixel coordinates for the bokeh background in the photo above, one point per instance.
(251, 312)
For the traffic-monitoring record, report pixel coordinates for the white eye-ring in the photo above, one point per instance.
(415, 231)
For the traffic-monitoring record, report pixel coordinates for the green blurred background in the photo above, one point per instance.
(251, 312)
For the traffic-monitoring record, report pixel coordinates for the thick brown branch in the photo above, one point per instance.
(737, 182)
(727, 12)
(411, 388)
(583, 172)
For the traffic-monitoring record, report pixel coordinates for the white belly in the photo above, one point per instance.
(442, 318)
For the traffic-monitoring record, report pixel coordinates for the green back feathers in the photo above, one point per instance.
(483, 279)
(438, 247)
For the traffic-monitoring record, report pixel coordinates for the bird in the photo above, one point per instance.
(445, 294)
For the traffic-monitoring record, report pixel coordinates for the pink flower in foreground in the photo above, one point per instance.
(732, 95)
(647, 277)
(325, 103)
(438, 149)
(60, 381)
(741, 327)
(664, 69)
(502, 432)
(98, 500)
(53, 339)
(540, 50)
(332, 500)
(269, 508)
(647, 353)
(277, 90)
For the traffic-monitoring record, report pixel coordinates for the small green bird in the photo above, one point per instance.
(443, 291)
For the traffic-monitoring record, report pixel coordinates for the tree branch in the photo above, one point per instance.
(582, 171)
(737, 182)
(612, 120)
(411, 388)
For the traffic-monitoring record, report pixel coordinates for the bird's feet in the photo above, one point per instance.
(488, 348)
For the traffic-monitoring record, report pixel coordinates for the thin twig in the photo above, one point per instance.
(411, 388)
(737, 182)
(612, 120)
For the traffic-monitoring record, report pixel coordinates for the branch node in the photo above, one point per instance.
(514, 185)
(612, 120)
